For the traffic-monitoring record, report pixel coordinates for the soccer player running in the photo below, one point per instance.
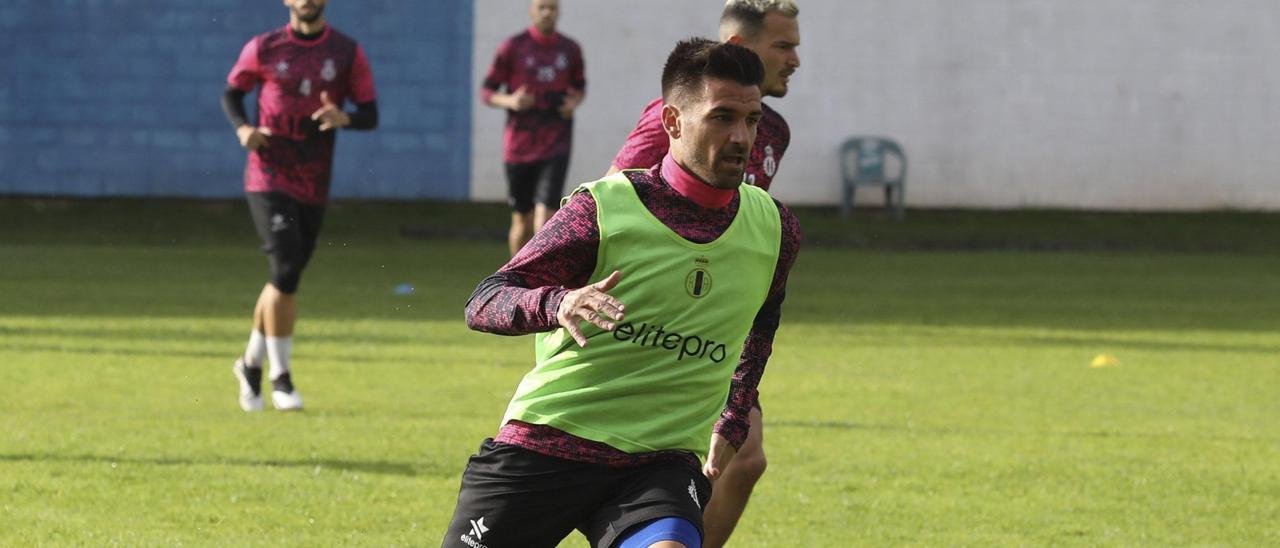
(769, 28)
(303, 72)
(538, 77)
(653, 360)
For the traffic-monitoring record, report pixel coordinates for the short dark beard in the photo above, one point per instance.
(311, 18)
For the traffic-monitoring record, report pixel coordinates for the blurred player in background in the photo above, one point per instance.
(770, 29)
(538, 77)
(304, 72)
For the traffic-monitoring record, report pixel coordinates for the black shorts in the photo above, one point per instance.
(288, 229)
(514, 498)
(536, 183)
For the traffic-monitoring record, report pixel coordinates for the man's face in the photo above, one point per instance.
(307, 11)
(712, 134)
(544, 14)
(776, 45)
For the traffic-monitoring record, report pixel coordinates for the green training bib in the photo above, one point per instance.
(661, 379)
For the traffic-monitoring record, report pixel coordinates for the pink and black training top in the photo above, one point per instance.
(549, 67)
(290, 75)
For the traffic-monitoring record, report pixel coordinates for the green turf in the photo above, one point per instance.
(914, 398)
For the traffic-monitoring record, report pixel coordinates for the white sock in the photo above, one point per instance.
(256, 351)
(278, 349)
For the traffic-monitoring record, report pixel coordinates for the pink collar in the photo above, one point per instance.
(542, 39)
(691, 187)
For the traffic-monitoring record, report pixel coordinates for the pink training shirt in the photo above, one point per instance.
(648, 143)
(290, 74)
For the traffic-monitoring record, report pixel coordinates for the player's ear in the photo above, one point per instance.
(671, 120)
(736, 39)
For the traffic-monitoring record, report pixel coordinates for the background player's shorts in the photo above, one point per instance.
(513, 497)
(536, 183)
(288, 229)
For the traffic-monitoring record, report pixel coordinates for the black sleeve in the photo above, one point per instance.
(365, 117)
(481, 307)
(233, 106)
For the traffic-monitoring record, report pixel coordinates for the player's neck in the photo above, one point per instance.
(542, 37)
(690, 186)
(304, 28)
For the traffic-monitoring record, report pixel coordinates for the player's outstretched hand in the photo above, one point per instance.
(593, 304)
(718, 457)
(329, 115)
(253, 138)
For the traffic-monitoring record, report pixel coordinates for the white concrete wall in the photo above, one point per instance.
(1135, 104)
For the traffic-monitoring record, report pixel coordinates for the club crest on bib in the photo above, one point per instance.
(698, 283)
(329, 72)
(282, 68)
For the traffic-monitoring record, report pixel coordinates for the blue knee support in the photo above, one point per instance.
(677, 529)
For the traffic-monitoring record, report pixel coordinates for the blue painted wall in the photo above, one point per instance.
(121, 97)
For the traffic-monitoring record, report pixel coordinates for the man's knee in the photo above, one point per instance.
(750, 466)
(523, 219)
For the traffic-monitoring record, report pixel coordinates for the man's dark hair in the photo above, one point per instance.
(695, 59)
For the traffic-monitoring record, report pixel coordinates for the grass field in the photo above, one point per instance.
(915, 397)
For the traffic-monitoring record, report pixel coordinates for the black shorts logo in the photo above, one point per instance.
(279, 223)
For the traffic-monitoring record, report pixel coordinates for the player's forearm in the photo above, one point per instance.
(489, 88)
(233, 107)
(744, 392)
(735, 420)
(496, 99)
(524, 296)
(503, 304)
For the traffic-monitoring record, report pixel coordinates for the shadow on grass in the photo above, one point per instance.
(119, 272)
(100, 351)
(179, 332)
(389, 468)
(230, 354)
(1112, 340)
(899, 428)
